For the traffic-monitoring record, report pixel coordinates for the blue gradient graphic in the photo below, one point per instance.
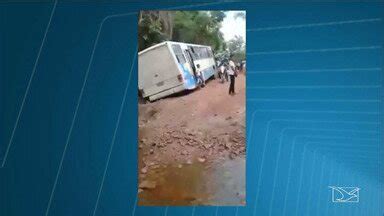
(68, 87)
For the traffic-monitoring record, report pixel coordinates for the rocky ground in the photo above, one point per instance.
(205, 126)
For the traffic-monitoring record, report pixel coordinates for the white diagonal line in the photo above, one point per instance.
(28, 86)
(316, 24)
(134, 207)
(315, 50)
(72, 124)
(114, 134)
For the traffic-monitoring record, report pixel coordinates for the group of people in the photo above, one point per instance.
(226, 69)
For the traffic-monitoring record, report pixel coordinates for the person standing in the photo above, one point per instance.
(199, 75)
(231, 73)
(222, 73)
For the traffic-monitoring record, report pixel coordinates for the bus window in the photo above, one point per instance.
(180, 59)
(176, 48)
(206, 52)
(178, 53)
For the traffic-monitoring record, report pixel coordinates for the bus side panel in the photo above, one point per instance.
(157, 71)
(208, 72)
(207, 67)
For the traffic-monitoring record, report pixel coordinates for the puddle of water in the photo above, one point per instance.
(197, 184)
(228, 182)
(175, 186)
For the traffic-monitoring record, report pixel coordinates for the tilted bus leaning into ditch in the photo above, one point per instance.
(170, 67)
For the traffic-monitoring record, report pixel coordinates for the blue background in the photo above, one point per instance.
(68, 90)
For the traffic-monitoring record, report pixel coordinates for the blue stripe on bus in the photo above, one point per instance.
(189, 79)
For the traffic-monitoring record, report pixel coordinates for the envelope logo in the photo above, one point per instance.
(345, 194)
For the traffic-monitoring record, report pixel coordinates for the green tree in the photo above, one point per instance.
(198, 27)
(236, 48)
(236, 44)
(154, 27)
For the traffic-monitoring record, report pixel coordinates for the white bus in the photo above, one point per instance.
(170, 67)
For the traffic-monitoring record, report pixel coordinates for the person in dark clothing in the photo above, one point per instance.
(231, 73)
(232, 85)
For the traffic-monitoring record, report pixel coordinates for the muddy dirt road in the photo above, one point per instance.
(192, 147)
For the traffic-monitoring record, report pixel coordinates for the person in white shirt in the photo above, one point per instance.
(232, 73)
(222, 74)
(199, 75)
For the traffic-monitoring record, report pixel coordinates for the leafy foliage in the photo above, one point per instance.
(236, 48)
(154, 27)
(236, 44)
(199, 27)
